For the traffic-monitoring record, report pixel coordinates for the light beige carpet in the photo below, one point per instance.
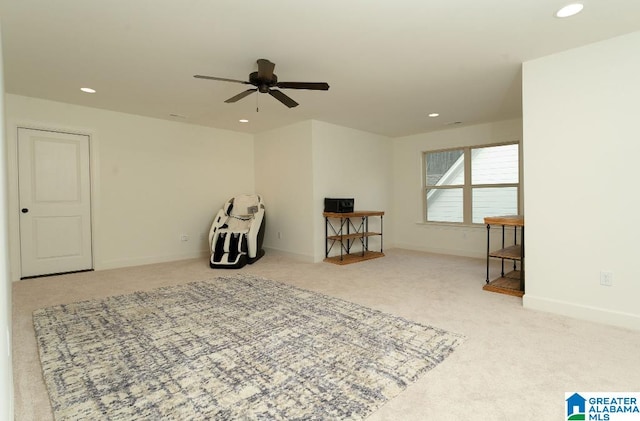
(235, 347)
(515, 363)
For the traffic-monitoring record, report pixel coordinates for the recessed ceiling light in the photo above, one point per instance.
(243, 120)
(88, 90)
(434, 115)
(570, 10)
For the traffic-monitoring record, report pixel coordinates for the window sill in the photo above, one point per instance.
(450, 224)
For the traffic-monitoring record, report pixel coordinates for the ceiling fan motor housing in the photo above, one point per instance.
(263, 85)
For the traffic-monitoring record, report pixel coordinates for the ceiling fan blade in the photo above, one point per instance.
(240, 96)
(280, 96)
(265, 69)
(317, 86)
(222, 79)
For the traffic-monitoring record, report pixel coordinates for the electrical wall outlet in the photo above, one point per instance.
(184, 237)
(606, 278)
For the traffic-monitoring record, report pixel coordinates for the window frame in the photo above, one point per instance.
(467, 187)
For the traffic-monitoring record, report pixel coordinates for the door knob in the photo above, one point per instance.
(25, 210)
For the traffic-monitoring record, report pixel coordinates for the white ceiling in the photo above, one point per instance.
(389, 63)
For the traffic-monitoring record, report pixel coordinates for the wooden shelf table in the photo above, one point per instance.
(348, 233)
(511, 283)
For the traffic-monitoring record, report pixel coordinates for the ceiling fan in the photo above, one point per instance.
(265, 80)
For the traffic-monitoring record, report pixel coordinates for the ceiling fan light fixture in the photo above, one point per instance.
(88, 90)
(569, 10)
(266, 82)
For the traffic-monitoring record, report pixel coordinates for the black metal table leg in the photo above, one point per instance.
(515, 242)
(326, 237)
(488, 236)
(502, 260)
(380, 233)
(522, 258)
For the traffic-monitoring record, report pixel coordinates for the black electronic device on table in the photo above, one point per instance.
(341, 205)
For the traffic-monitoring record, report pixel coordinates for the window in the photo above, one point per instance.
(465, 185)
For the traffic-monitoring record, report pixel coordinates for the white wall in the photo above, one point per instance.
(6, 377)
(299, 165)
(152, 180)
(353, 164)
(581, 149)
(284, 178)
(409, 230)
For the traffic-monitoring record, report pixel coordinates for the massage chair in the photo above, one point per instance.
(237, 232)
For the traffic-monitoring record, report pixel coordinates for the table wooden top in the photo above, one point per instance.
(510, 220)
(354, 214)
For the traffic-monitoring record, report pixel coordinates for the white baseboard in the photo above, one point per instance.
(438, 250)
(301, 257)
(578, 311)
(139, 261)
(204, 254)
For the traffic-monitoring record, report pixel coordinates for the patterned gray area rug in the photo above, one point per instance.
(235, 347)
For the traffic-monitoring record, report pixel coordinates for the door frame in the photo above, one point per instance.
(15, 257)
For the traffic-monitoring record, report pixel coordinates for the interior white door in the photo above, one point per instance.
(55, 202)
